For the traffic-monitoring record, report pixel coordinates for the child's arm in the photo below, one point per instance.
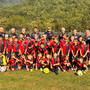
(86, 67)
(86, 53)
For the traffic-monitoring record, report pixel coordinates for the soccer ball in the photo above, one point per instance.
(31, 70)
(79, 73)
(2, 69)
(46, 70)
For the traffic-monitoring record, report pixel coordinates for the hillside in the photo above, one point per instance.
(43, 13)
(10, 1)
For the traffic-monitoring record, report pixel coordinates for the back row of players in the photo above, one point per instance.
(37, 51)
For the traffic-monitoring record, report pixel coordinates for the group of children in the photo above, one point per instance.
(23, 52)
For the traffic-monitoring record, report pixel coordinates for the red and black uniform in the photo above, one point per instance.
(64, 65)
(65, 48)
(15, 48)
(83, 49)
(9, 49)
(22, 47)
(43, 41)
(2, 45)
(27, 42)
(29, 63)
(62, 41)
(56, 46)
(12, 63)
(80, 66)
(45, 63)
(43, 51)
(53, 61)
(74, 48)
(21, 62)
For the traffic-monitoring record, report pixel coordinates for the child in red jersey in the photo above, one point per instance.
(38, 61)
(49, 47)
(30, 49)
(63, 39)
(84, 49)
(9, 48)
(1, 44)
(44, 63)
(12, 62)
(56, 45)
(74, 51)
(54, 63)
(81, 65)
(29, 63)
(27, 40)
(65, 64)
(21, 64)
(15, 47)
(22, 48)
(42, 49)
(43, 39)
(65, 48)
(21, 37)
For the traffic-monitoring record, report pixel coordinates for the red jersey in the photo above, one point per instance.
(39, 61)
(21, 61)
(27, 42)
(80, 65)
(54, 61)
(74, 48)
(65, 47)
(22, 47)
(15, 47)
(12, 62)
(9, 46)
(28, 62)
(56, 46)
(2, 45)
(84, 48)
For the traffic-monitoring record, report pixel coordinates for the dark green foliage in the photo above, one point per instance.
(43, 13)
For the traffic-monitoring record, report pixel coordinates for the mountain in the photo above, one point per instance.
(43, 13)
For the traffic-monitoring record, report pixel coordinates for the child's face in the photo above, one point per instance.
(0, 38)
(72, 38)
(66, 57)
(36, 36)
(0, 53)
(6, 37)
(29, 56)
(55, 55)
(21, 36)
(15, 39)
(42, 46)
(48, 56)
(13, 56)
(81, 60)
(80, 39)
(75, 41)
(39, 55)
(10, 39)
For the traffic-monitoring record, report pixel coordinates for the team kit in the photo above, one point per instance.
(45, 52)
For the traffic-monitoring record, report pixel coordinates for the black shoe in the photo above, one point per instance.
(56, 73)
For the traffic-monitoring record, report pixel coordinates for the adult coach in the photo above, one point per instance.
(35, 32)
(49, 33)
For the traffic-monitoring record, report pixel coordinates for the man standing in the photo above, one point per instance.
(49, 33)
(35, 32)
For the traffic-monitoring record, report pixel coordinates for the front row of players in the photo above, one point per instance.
(42, 62)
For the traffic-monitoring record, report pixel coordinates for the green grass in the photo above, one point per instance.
(36, 80)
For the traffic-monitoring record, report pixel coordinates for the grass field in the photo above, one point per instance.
(36, 80)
